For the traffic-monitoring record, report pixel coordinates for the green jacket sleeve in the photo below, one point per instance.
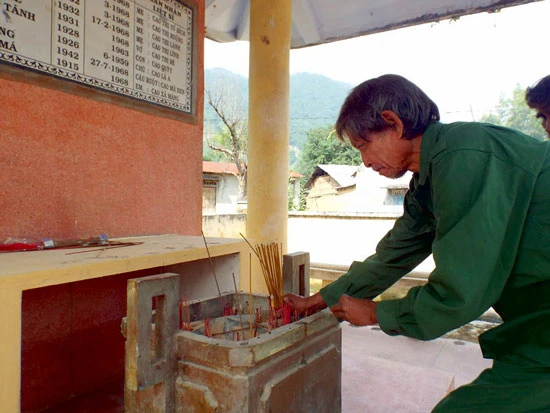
(401, 250)
(480, 202)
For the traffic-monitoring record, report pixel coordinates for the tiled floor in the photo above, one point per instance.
(380, 374)
(401, 375)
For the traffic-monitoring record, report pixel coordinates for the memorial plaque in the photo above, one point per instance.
(142, 49)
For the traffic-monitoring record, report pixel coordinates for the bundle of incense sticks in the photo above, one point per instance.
(270, 256)
(270, 260)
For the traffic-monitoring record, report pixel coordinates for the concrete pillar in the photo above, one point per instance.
(268, 127)
(10, 356)
(268, 157)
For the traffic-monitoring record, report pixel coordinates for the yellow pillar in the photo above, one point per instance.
(10, 355)
(268, 127)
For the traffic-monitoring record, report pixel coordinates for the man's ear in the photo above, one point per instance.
(392, 119)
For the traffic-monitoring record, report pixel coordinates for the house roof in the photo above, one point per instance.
(344, 175)
(368, 174)
(219, 168)
(230, 168)
(321, 21)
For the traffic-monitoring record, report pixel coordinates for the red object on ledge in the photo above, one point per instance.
(22, 246)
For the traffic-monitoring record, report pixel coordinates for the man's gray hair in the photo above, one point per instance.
(361, 112)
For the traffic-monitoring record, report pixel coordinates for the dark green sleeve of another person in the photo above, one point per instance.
(400, 251)
(480, 201)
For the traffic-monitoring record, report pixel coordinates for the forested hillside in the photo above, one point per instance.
(314, 102)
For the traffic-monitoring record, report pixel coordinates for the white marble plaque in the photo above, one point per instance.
(136, 48)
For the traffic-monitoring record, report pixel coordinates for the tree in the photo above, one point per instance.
(514, 113)
(231, 140)
(323, 148)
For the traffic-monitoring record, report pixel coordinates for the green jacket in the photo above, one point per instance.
(481, 205)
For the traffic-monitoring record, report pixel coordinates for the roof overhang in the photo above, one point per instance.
(343, 175)
(322, 21)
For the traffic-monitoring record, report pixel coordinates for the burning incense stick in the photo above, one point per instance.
(238, 301)
(211, 264)
(250, 296)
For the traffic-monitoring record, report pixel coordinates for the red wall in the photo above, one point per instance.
(71, 166)
(72, 342)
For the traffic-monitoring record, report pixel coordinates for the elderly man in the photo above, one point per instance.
(538, 98)
(479, 200)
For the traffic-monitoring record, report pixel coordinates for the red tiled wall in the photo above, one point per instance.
(76, 167)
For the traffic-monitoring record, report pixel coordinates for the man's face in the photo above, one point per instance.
(386, 152)
(544, 116)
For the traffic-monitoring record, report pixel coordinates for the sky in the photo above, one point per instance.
(463, 65)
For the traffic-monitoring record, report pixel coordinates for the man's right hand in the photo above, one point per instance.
(302, 305)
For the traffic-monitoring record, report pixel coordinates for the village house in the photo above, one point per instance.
(348, 188)
(220, 189)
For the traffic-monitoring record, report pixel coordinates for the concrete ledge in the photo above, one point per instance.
(331, 272)
(390, 215)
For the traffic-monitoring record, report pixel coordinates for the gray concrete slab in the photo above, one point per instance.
(399, 374)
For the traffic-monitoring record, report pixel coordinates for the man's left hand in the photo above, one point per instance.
(356, 311)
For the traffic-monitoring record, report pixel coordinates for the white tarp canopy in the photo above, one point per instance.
(321, 21)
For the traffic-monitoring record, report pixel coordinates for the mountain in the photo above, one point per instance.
(314, 101)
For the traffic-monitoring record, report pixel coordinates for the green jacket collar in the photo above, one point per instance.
(430, 146)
